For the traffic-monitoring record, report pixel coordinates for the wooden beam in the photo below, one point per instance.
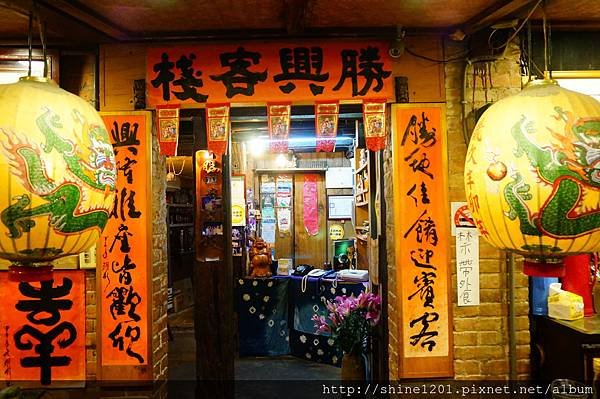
(87, 17)
(295, 14)
(61, 28)
(213, 285)
(569, 26)
(496, 12)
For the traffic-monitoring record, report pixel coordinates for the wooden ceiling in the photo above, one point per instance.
(93, 21)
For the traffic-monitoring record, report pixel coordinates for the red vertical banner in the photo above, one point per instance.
(311, 204)
(168, 128)
(374, 121)
(326, 125)
(278, 115)
(217, 127)
(422, 240)
(42, 330)
(124, 258)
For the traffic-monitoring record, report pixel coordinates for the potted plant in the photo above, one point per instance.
(350, 321)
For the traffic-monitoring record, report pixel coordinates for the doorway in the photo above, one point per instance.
(305, 205)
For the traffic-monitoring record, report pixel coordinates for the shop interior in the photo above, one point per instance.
(314, 210)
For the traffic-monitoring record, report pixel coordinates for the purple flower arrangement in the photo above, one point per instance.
(350, 320)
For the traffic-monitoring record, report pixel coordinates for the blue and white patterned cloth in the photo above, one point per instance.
(275, 316)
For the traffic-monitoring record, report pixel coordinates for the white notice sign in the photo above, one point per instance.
(467, 266)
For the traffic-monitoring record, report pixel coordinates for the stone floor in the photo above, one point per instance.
(255, 377)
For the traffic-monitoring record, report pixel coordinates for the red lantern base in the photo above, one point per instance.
(21, 273)
(550, 267)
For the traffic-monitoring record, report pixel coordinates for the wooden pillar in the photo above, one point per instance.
(213, 280)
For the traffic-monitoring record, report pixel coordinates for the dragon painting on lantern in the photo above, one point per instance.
(566, 185)
(65, 197)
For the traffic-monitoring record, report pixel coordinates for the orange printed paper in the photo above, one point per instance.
(326, 125)
(217, 127)
(374, 120)
(123, 251)
(261, 72)
(42, 329)
(167, 116)
(420, 195)
(279, 126)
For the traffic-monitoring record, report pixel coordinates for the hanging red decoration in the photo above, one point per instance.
(326, 124)
(217, 127)
(168, 128)
(311, 204)
(375, 121)
(278, 115)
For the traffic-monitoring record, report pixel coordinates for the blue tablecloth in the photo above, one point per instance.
(275, 316)
(312, 300)
(262, 306)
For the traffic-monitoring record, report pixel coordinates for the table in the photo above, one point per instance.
(275, 316)
(564, 349)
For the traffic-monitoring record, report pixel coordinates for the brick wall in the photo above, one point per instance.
(160, 337)
(90, 325)
(481, 333)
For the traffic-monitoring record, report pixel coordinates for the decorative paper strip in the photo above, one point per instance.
(42, 329)
(326, 124)
(374, 120)
(311, 211)
(284, 191)
(124, 255)
(168, 128)
(279, 126)
(217, 127)
(284, 216)
(422, 241)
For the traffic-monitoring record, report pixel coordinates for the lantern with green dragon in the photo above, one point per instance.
(532, 175)
(57, 173)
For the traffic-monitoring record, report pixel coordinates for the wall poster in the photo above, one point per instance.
(124, 255)
(422, 250)
(42, 330)
(238, 200)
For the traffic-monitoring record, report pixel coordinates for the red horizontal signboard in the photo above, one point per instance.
(259, 72)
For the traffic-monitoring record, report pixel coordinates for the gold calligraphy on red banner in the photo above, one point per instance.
(262, 72)
(42, 329)
(124, 252)
(421, 219)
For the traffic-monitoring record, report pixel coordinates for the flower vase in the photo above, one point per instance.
(353, 367)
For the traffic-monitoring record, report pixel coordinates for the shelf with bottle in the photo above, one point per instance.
(182, 197)
(181, 241)
(180, 205)
(180, 217)
(361, 178)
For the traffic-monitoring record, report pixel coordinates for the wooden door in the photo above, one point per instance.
(310, 249)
